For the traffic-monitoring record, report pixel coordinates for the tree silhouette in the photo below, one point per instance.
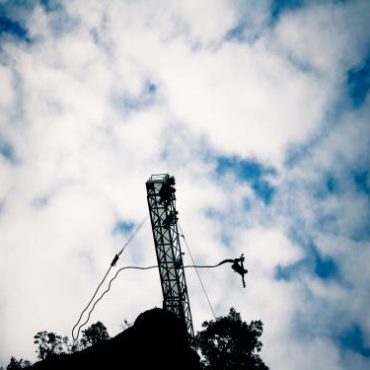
(230, 343)
(50, 344)
(15, 364)
(94, 334)
(227, 343)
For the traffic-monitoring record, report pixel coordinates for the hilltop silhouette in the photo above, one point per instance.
(158, 339)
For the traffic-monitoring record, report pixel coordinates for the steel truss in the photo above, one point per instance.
(162, 207)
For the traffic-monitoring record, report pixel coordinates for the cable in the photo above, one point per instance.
(208, 266)
(92, 298)
(107, 290)
(196, 270)
(143, 268)
(132, 236)
(114, 261)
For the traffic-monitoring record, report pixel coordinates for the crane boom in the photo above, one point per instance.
(163, 215)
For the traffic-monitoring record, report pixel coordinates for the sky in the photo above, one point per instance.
(259, 108)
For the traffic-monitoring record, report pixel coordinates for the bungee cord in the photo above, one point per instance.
(107, 290)
(137, 268)
(112, 264)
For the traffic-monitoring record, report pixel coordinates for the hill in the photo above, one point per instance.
(156, 340)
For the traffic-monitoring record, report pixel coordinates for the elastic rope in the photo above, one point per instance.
(114, 261)
(92, 298)
(108, 289)
(132, 236)
(144, 268)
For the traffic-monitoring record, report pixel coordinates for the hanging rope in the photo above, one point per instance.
(113, 263)
(92, 298)
(107, 290)
(143, 268)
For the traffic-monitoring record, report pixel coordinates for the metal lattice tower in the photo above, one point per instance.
(163, 216)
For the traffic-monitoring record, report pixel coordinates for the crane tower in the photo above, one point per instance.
(163, 215)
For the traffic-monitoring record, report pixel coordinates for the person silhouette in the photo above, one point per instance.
(238, 267)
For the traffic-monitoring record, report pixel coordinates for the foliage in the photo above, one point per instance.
(225, 343)
(94, 334)
(50, 344)
(15, 364)
(230, 343)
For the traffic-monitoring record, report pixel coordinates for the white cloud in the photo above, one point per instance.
(327, 37)
(7, 93)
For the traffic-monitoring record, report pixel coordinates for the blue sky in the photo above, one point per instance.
(260, 110)
(358, 82)
(249, 171)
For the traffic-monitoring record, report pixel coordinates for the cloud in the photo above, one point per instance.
(261, 112)
(332, 36)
